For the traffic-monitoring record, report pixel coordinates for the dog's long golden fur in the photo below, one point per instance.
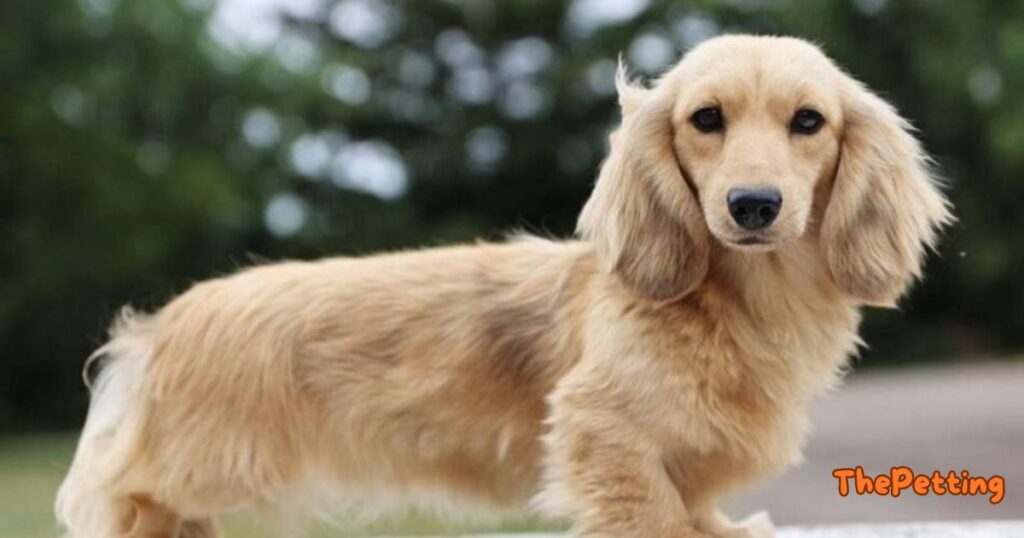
(625, 381)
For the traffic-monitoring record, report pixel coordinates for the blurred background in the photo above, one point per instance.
(147, 144)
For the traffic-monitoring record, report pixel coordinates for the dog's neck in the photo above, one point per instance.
(780, 306)
(791, 280)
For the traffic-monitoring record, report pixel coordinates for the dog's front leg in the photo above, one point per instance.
(606, 474)
(714, 522)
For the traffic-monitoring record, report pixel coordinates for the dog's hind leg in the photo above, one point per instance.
(199, 528)
(101, 496)
(170, 440)
(148, 519)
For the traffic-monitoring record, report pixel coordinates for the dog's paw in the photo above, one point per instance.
(757, 525)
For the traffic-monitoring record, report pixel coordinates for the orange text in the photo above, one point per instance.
(902, 479)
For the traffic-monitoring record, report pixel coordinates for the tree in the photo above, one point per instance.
(149, 144)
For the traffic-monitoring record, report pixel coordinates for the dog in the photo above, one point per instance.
(754, 198)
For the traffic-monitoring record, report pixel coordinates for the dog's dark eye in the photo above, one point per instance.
(806, 121)
(708, 119)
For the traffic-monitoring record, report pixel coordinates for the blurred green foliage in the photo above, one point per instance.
(145, 144)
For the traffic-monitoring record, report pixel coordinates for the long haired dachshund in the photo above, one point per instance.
(755, 196)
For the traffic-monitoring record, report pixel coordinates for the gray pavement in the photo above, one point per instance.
(988, 529)
(967, 416)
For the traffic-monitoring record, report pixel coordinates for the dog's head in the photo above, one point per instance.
(754, 143)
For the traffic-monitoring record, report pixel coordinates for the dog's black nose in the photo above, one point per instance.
(754, 209)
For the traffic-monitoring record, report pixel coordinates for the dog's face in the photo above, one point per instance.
(752, 143)
(756, 130)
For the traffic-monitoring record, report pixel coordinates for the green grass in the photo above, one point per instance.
(31, 468)
(30, 471)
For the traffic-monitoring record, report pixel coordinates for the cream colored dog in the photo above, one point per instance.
(753, 199)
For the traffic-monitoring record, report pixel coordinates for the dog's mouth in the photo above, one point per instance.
(766, 239)
(751, 243)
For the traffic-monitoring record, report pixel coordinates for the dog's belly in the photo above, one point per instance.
(431, 436)
(477, 460)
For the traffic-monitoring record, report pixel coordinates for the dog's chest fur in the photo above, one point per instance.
(738, 361)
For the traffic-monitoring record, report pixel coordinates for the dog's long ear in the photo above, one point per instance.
(643, 218)
(885, 208)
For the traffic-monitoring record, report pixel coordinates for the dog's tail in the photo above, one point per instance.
(96, 498)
